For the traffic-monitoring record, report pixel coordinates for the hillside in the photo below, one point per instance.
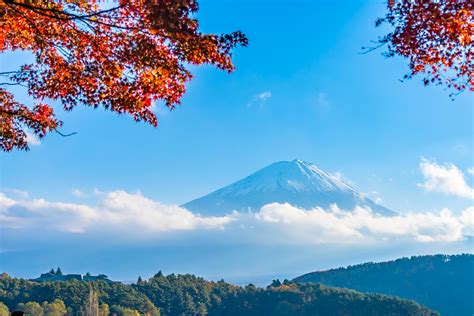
(190, 295)
(296, 182)
(444, 283)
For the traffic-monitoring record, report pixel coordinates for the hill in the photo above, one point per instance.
(191, 295)
(444, 283)
(296, 182)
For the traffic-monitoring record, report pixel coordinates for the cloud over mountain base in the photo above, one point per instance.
(133, 216)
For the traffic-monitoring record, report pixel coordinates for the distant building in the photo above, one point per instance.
(101, 277)
(58, 276)
(4, 275)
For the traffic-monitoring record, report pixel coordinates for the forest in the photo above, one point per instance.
(190, 295)
(442, 282)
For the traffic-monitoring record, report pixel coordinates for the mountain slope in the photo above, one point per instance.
(295, 182)
(444, 283)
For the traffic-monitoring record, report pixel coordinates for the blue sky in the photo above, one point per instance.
(301, 90)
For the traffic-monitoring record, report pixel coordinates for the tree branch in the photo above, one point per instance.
(70, 16)
(12, 84)
(64, 135)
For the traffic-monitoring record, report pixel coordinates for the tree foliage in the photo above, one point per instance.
(191, 295)
(436, 36)
(444, 283)
(55, 308)
(4, 310)
(119, 55)
(30, 308)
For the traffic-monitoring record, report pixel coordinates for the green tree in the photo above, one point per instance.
(150, 309)
(202, 310)
(104, 310)
(130, 312)
(4, 310)
(92, 305)
(276, 283)
(191, 295)
(122, 311)
(56, 308)
(30, 308)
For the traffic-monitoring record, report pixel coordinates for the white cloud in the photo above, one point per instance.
(122, 207)
(361, 225)
(260, 98)
(264, 96)
(133, 215)
(19, 193)
(470, 171)
(374, 195)
(446, 178)
(5, 202)
(160, 109)
(32, 139)
(78, 193)
(97, 192)
(115, 211)
(467, 218)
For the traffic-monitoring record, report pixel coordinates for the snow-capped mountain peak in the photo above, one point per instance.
(295, 182)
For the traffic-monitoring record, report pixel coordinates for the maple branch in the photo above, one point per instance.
(367, 50)
(38, 30)
(12, 84)
(64, 135)
(120, 59)
(15, 113)
(87, 16)
(6, 73)
(71, 16)
(27, 118)
(27, 18)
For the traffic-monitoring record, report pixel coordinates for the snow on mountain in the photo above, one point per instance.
(296, 182)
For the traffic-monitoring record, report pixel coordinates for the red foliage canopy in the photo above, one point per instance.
(119, 57)
(437, 38)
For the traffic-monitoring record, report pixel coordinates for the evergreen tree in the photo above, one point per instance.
(275, 283)
(30, 308)
(191, 295)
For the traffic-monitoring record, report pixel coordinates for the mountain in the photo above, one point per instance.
(173, 295)
(444, 283)
(295, 182)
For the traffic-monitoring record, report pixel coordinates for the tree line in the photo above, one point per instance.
(190, 295)
(442, 282)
